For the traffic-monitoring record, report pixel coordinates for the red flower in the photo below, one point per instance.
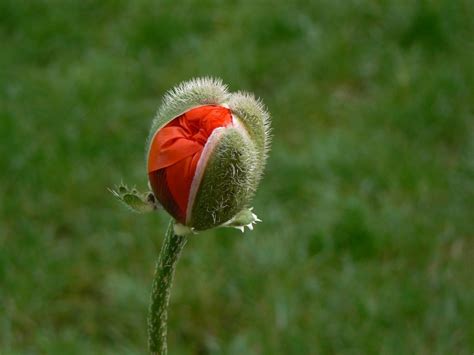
(175, 152)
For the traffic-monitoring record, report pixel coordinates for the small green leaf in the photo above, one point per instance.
(245, 218)
(135, 200)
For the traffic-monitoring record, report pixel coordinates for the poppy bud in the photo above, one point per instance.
(206, 154)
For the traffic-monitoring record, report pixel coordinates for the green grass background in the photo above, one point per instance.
(367, 241)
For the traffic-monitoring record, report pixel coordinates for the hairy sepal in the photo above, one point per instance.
(256, 121)
(186, 96)
(228, 181)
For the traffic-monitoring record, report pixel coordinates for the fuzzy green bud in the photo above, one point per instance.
(206, 153)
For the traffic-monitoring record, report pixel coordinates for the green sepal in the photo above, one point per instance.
(184, 97)
(227, 183)
(133, 199)
(254, 117)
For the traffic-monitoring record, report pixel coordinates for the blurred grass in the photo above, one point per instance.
(367, 242)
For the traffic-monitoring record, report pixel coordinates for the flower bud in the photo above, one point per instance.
(206, 153)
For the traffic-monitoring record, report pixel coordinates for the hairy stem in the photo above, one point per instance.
(160, 294)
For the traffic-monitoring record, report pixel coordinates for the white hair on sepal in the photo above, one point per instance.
(254, 116)
(195, 92)
(186, 96)
(195, 87)
(190, 94)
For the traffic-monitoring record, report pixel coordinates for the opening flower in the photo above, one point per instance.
(206, 154)
(175, 152)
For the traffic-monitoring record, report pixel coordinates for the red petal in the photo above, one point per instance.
(175, 151)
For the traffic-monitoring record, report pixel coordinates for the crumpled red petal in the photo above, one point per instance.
(175, 151)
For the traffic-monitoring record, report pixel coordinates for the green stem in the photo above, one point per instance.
(160, 294)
